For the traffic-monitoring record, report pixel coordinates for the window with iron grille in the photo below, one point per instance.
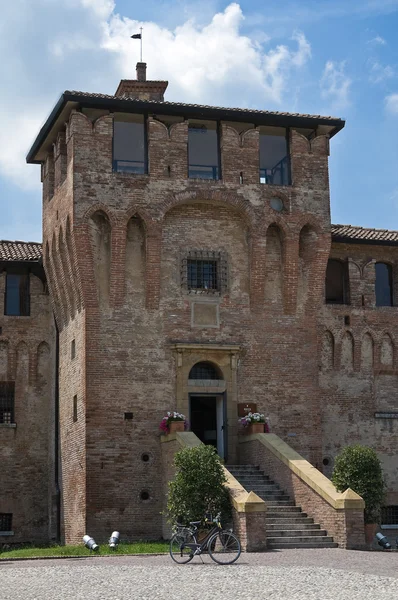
(17, 296)
(389, 515)
(204, 272)
(7, 391)
(5, 521)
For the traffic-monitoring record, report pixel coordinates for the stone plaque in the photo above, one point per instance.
(386, 415)
(205, 314)
(245, 408)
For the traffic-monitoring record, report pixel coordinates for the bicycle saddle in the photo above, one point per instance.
(195, 522)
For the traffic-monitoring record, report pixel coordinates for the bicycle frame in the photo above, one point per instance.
(198, 548)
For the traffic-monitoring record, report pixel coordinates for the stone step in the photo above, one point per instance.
(246, 476)
(283, 511)
(296, 543)
(273, 503)
(261, 488)
(305, 539)
(297, 533)
(290, 524)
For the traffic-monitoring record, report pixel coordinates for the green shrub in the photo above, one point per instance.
(198, 487)
(358, 467)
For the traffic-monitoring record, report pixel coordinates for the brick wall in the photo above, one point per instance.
(27, 357)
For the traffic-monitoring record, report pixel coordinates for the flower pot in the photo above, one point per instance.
(176, 426)
(370, 532)
(255, 428)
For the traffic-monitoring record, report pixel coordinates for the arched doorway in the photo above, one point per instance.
(208, 409)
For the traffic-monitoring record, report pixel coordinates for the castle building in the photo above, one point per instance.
(188, 263)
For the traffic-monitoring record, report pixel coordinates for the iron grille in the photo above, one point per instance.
(7, 392)
(5, 521)
(389, 515)
(202, 275)
(204, 370)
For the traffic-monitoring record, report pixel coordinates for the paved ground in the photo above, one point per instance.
(289, 575)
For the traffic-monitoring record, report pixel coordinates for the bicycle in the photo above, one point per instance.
(222, 545)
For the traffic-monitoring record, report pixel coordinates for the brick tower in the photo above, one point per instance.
(185, 248)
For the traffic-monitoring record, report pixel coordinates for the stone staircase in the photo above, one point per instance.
(287, 525)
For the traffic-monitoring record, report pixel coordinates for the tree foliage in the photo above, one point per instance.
(358, 467)
(198, 487)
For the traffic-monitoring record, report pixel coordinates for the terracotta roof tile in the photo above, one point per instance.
(199, 106)
(20, 251)
(353, 233)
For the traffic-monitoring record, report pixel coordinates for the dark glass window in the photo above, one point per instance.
(7, 391)
(384, 295)
(203, 151)
(5, 522)
(74, 409)
(17, 299)
(274, 156)
(336, 285)
(389, 515)
(204, 370)
(129, 144)
(203, 274)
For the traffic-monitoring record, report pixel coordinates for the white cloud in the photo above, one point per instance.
(392, 104)
(335, 85)
(379, 73)
(84, 44)
(377, 41)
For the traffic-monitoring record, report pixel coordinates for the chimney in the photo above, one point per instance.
(141, 71)
(141, 88)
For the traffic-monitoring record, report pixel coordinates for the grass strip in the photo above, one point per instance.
(50, 551)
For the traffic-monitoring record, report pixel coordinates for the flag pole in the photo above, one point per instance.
(141, 42)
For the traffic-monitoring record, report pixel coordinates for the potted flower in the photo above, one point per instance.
(254, 423)
(172, 422)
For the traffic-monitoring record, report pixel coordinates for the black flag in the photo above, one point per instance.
(136, 36)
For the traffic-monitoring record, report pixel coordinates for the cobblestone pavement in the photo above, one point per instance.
(289, 574)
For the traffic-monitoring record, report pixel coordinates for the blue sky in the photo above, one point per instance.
(335, 57)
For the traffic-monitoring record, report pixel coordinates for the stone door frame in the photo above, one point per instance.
(225, 357)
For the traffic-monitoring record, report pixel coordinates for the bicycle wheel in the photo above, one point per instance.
(179, 552)
(224, 547)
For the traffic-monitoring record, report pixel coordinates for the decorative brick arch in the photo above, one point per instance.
(102, 208)
(228, 199)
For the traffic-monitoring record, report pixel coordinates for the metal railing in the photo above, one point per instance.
(278, 175)
(203, 172)
(136, 167)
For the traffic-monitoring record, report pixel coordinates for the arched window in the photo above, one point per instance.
(204, 370)
(384, 295)
(336, 285)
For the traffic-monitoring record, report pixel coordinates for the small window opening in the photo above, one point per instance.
(325, 462)
(274, 156)
(7, 401)
(363, 300)
(128, 416)
(203, 150)
(129, 144)
(384, 285)
(347, 320)
(74, 409)
(1, 331)
(389, 515)
(204, 370)
(337, 282)
(241, 177)
(169, 171)
(17, 296)
(5, 522)
(144, 495)
(145, 457)
(73, 349)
